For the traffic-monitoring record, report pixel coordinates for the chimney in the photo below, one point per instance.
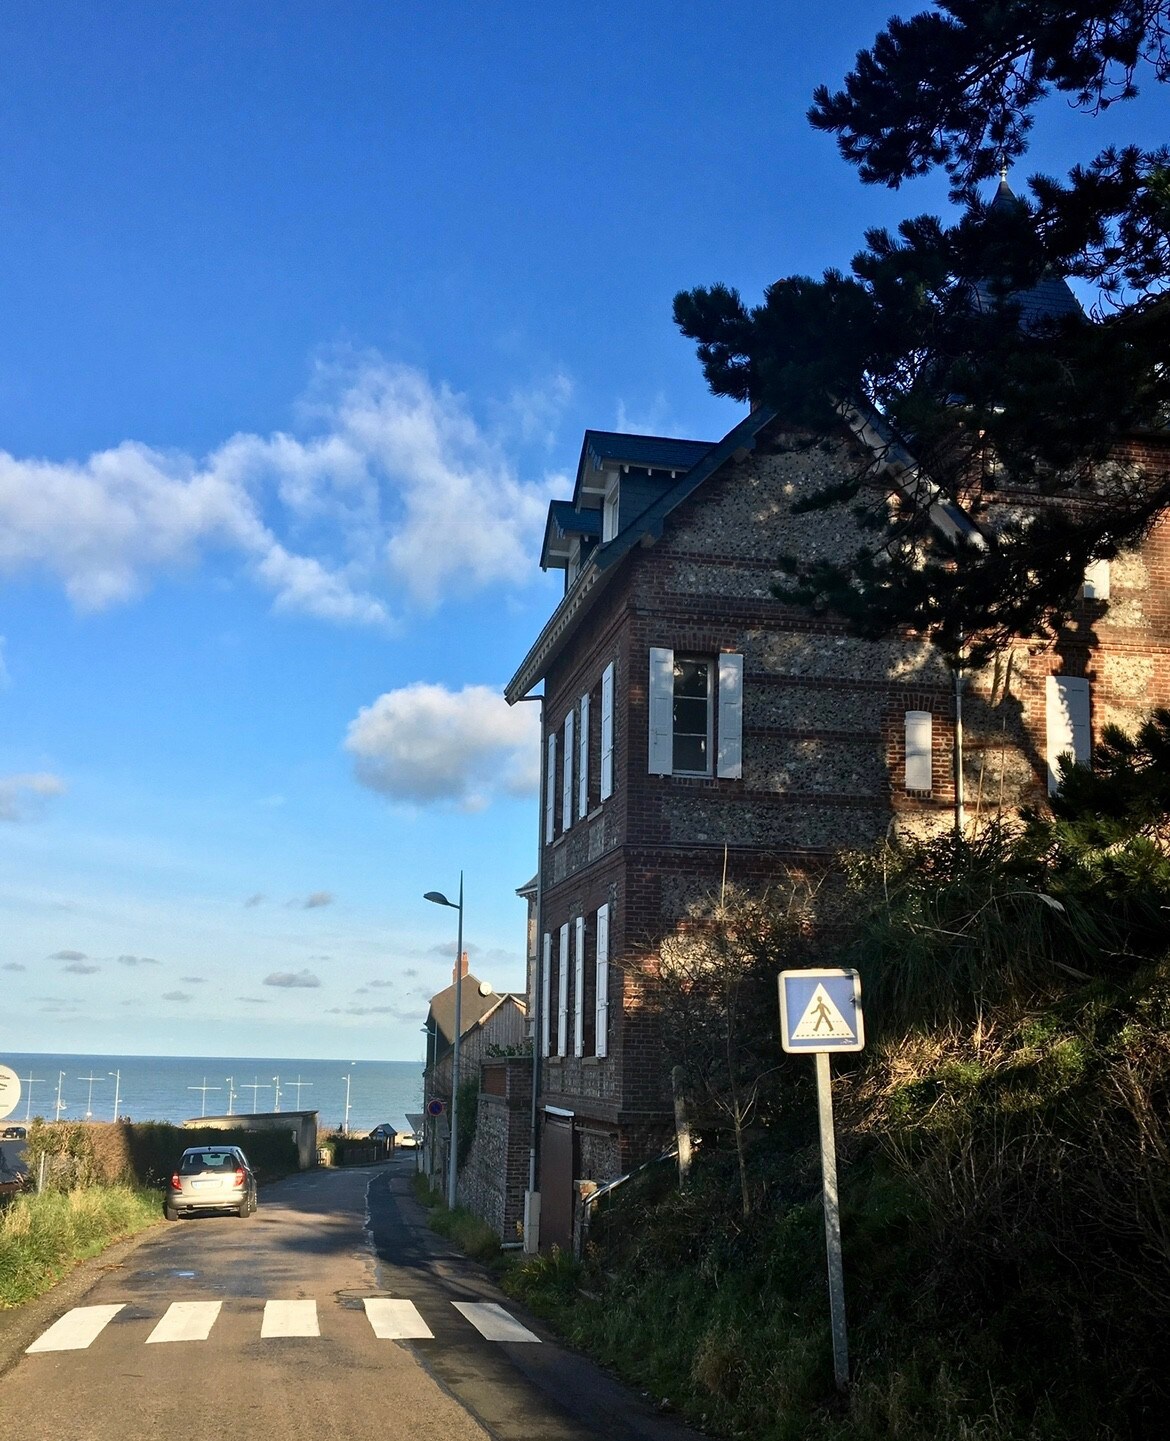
(462, 969)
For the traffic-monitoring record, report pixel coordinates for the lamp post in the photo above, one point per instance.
(117, 1075)
(453, 1167)
(345, 1123)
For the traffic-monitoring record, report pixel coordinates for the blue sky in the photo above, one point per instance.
(305, 308)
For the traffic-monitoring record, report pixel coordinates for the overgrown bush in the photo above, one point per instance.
(1003, 1145)
(80, 1154)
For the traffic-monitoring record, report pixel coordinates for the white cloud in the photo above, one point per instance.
(400, 497)
(21, 795)
(292, 980)
(425, 743)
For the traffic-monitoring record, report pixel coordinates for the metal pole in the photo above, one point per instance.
(453, 1160)
(832, 1222)
(117, 1075)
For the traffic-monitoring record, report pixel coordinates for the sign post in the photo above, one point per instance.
(820, 1012)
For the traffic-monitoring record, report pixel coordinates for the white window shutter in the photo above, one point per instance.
(661, 711)
(1096, 585)
(1068, 723)
(919, 750)
(583, 761)
(567, 778)
(550, 790)
(546, 996)
(730, 760)
(601, 1027)
(563, 994)
(579, 990)
(607, 732)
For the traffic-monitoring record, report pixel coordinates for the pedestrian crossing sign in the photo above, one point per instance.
(820, 1010)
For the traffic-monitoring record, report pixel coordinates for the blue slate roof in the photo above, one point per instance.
(659, 452)
(1050, 299)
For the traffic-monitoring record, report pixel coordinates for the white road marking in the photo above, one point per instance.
(77, 1329)
(186, 1321)
(289, 1318)
(493, 1323)
(396, 1320)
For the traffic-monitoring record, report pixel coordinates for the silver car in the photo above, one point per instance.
(211, 1178)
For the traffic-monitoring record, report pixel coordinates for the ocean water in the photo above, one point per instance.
(171, 1088)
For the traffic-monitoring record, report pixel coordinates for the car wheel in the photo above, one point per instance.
(170, 1213)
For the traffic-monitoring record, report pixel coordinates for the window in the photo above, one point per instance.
(607, 732)
(1067, 714)
(609, 510)
(567, 778)
(563, 993)
(919, 750)
(1096, 583)
(601, 990)
(579, 989)
(682, 711)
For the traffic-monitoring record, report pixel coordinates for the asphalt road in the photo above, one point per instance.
(333, 1312)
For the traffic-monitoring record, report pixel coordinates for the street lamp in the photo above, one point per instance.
(346, 1079)
(452, 1168)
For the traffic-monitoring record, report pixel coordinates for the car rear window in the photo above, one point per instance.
(208, 1161)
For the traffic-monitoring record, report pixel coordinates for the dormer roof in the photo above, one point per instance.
(610, 450)
(566, 524)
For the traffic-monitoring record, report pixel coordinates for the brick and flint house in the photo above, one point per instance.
(689, 713)
(490, 1022)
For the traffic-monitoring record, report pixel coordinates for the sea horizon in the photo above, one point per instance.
(100, 1086)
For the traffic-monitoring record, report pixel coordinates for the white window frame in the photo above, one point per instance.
(601, 990)
(611, 509)
(919, 730)
(563, 993)
(607, 719)
(1068, 716)
(1096, 582)
(567, 777)
(579, 989)
(724, 699)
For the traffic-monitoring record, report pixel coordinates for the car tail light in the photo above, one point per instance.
(176, 1184)
(240, 1178)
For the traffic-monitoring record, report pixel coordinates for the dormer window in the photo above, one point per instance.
(609, 510)
(573, 564)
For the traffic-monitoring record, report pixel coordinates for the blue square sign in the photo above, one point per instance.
(820, 1010)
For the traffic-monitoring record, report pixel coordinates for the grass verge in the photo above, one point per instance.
(468, 1232)
(42, 1238)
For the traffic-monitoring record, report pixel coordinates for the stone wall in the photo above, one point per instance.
(493, 1180)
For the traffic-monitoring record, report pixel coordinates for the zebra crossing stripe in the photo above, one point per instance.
(390, 1319)
(493, 1323)
(289, 1318)
(77, 1329)
(394, 1320)
(186, 1321)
